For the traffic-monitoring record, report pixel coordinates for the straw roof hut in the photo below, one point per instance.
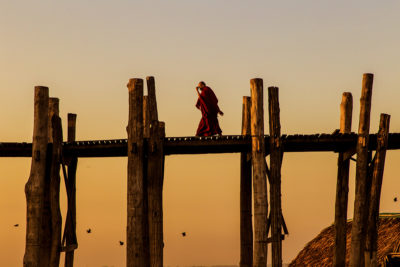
(319, 251)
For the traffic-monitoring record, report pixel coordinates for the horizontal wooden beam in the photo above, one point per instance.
(206, 145)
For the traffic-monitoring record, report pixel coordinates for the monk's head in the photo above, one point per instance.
(202, 84)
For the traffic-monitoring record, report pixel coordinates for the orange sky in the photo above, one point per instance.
(86, 53)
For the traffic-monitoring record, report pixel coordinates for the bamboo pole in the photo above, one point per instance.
(259, 174)
(377, 177)
(136, 218)
(342, 187)
(70, 222)
(34, 188)
(155, 187)
(56, 138)
(246, 227)
(358, 230)
(276, 153)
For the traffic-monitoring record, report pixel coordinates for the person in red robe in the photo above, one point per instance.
(208, 105)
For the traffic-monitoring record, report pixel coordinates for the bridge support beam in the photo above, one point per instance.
(259, 174)
(246, 225)
(342, 187)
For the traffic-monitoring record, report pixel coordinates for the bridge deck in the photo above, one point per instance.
(205, 145)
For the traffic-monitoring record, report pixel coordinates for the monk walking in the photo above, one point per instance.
(208, 105)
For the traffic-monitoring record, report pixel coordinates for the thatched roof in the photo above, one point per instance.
(319, 251)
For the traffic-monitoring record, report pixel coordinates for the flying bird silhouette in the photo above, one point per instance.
(16, 225)
(121, 243)
(395, 199)
(89, 231)
(183, 233)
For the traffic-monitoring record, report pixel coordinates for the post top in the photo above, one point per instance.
(133, 82)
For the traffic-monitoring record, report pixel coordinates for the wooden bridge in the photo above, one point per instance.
(146, 148)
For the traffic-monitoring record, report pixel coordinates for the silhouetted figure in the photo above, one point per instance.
(183, 234)
(208, 105)
(89, 231)
(121, 243)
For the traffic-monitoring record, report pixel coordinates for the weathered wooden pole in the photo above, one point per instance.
(56, 138)
(70, 222)
(276, 153)
(154, 189)
(342, 187)
(246, 224)
(146, 117)
(151, 92)
(34, 188)
(358, 230)
(377, 177)
(259, 174)
(136, 254)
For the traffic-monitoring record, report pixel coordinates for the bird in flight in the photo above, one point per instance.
(183, 233)
(121, 243)
(16, 225)
(89, 231)
(395, 199)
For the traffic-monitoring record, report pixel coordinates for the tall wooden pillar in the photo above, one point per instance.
(34, 188)
(246, 226)
(155, 131)
(358, 230)
(342, 187)
(275, 175)
(56, 138)
(259, 174)
(377, 177)
(136, 254)
(70, 222)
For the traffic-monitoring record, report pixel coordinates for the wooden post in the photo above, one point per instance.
(276, 153)
(259, 174)
(155, 188)
(70, 222)
(34, 188)
(342, 187)
(146, 117)
(377, 176)
(151, 92)
(358, 229)
(56, 138)
(246, 225)
(136, 217)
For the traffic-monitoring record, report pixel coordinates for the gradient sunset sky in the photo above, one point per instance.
(86, 51)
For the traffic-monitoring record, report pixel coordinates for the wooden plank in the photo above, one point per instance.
(151, 92)
(70, 222)
(259, 174)
(342, 186)
(377, 177)
(358, 229)
(246, 224)
(275, 174)
(155, 191)
(34, 188)
(136, 218)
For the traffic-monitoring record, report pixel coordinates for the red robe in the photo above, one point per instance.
(208, 104)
